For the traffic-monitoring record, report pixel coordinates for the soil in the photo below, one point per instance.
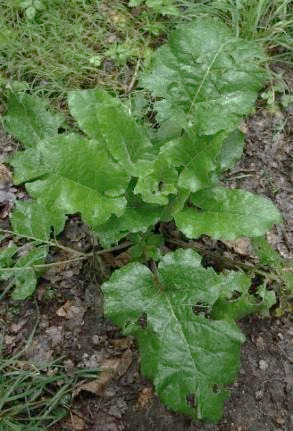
(69, 314)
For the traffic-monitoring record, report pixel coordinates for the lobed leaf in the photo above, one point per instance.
(190, 354)
(72, 184)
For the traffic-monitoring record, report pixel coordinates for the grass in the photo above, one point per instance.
(35, 397)
(74, 44)
(84, 43)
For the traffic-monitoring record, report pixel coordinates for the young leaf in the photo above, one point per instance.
(265, 252)
(29, 119)
(189, 355)
(204, 76)
(189, 162)
(36, 221)
(6, 255)
(227, 214)
(101, 116)
(138, 216)
(22, 274)
(156, 187)
(196, 156)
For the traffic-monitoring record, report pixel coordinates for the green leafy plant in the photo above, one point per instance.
(123, 176)
(183, 316)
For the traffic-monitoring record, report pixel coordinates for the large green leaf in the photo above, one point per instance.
(189, 355)
(78, 176)
(101, 116)
(29, 120)
(204, 76)
(227, 214)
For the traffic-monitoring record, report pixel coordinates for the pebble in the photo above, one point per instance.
(280, 420)
(96, 339)
(258, 395)
(263, 365)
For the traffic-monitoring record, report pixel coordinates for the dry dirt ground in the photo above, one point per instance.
(69, 312)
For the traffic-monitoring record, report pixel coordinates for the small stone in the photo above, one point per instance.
(281, 336)
(259, 342)
(16, 327)
(96, 340)
(258, 395)
(9, 340)
(263, 365)
(280, 420)
(68, 364)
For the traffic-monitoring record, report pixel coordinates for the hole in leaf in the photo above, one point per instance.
(253, 290)
(127, 323)
(212, 262)
(143, 320)
(216, 388)
(191, 400)
(61, 130)
(255, 282)
(258, 298)
(160, 186)
(202, 308)
(234, 296)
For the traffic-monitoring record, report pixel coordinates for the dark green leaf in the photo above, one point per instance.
(189, 355)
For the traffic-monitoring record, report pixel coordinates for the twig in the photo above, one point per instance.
(51, 243)
(61, 262)
(125, 244)
(132, 82)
